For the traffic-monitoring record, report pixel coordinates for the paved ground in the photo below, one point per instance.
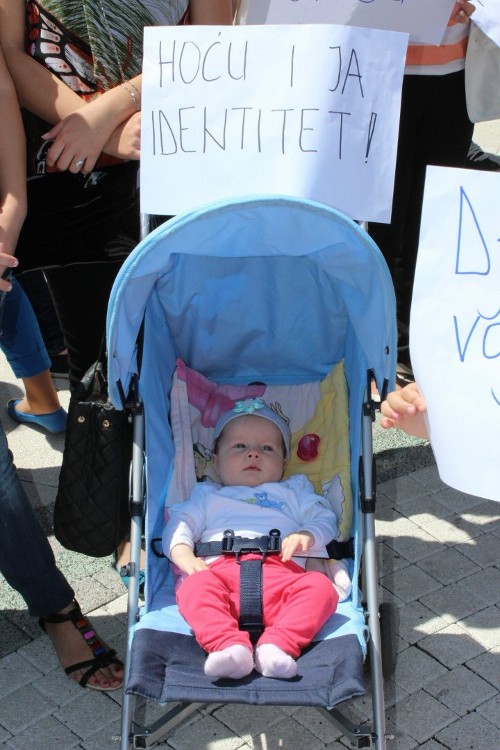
(439, 563)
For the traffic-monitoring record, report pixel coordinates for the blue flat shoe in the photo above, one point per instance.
(53, 422)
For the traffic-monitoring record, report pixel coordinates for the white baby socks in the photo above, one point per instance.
(233, 662)
(271, 661)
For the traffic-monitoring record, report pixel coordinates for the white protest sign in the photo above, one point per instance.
(455, 325)
(487, 17)
(309, 111)
(424, 20)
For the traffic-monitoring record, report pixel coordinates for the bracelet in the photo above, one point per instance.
(133, 92)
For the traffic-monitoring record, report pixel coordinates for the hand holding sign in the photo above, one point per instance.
(455, 326)
(324, 126)
(424, 20)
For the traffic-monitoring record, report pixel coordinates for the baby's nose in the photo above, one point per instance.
(254, 452)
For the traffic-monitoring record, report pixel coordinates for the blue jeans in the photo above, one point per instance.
(26, 558)
(38, 293)
(20, 339)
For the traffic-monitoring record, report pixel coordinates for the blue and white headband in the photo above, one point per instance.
(258, 408)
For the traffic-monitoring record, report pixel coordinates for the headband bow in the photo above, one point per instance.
(249, 405)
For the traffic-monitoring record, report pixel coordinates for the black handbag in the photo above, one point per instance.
(91, 512)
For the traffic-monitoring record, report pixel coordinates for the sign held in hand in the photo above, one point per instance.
(424, 20)
(455, 325)
(309, 111)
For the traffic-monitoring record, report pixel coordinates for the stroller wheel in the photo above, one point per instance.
(389, 620)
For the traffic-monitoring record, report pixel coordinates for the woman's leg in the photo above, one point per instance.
(26, 558)
(23, 345)
(81, 295)
(21, 340)
(27, 562)
(35, 285)
(79, 229)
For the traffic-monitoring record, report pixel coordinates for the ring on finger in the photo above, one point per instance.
(79, 163)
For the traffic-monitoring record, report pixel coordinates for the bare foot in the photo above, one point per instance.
(40, 395)
(71, 648)
(123, 556)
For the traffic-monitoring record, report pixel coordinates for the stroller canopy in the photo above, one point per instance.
(268, 288)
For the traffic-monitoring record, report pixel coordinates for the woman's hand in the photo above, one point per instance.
(81, 137)
(462, 11)
(6, 261)
(12, 214)
(78, 140)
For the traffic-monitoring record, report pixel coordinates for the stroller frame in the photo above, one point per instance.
(360, 736)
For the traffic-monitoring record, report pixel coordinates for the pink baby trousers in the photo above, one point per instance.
(296, 604)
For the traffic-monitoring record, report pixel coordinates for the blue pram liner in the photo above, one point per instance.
(271, 289)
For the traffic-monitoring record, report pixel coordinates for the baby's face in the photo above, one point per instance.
(250, 452)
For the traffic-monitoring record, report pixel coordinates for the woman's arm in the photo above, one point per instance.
(211, 12)
(37, 88)
(84, 134)
(82, 130)
(12, 172)
(90, 126)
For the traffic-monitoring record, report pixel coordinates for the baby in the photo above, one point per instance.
(252, 444)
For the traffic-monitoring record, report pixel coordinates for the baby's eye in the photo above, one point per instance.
(268, 448)
(240, 445)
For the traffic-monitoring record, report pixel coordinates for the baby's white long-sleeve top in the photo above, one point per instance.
(290, 505)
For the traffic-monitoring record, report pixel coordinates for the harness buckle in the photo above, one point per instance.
(239, 545)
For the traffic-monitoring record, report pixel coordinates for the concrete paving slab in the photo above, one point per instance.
(449, 647)
(461, 690)
(46, 734)
(487, 665)
(491, 711)
(23, 707)
(448, 566)
(471, 731)
(421, 716)
(415, 668)
(416, 622)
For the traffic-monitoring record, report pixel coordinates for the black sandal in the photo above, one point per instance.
(103, 656)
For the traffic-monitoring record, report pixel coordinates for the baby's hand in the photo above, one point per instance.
(183, 556)
(405, 409)
(196, 566)
(300, 541)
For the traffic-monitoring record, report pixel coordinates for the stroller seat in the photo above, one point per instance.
(170, 665)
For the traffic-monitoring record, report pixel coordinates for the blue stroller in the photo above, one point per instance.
(263, 293)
